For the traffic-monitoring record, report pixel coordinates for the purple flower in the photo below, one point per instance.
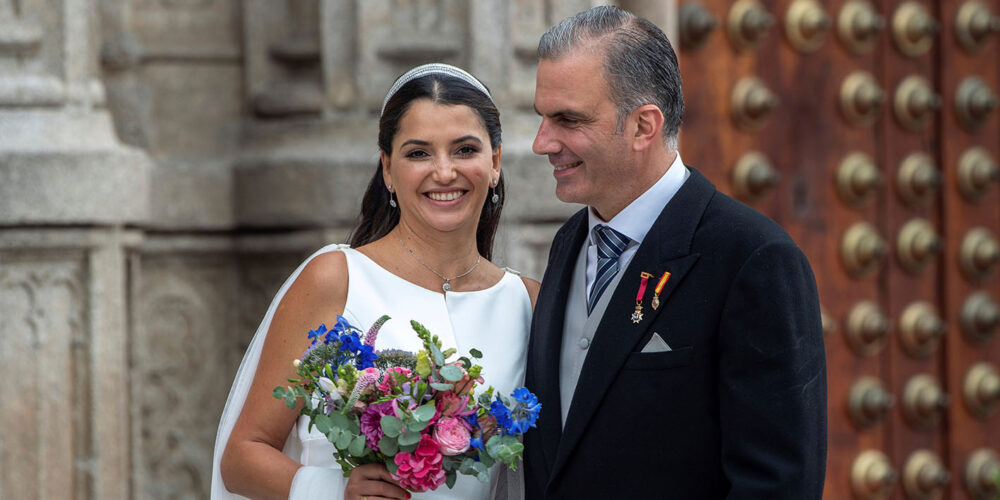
(371, 422)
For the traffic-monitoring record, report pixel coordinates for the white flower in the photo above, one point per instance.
(326, 384)
(296, 363)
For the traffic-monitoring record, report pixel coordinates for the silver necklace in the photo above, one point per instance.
(447, 281)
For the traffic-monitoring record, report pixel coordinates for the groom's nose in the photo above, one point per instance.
(545, 142)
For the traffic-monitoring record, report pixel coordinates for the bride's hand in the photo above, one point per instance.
(373, 482)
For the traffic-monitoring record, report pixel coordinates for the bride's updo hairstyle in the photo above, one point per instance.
(441, 87)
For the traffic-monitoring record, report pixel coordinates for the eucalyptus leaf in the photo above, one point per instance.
(278, 392)
(323, 423)
(442, 387)
(343, 441)
(475, 353)
(425, 413)
(391, 426)
(408, 448)
(409, 438)
(449, 479)
(334, 433)
(290, 400)
(437, 355)
(479, 467)
(388, 446)
(451, 373)
(467, 466)
(416, 426)
(357, 447)
(484, 477)
(391, 465)
(340, 420)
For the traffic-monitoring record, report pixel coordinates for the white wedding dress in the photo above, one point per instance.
(495, 321)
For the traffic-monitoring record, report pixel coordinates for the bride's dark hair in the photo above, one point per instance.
(377, 218)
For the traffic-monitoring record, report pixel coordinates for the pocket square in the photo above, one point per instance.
(656, 344)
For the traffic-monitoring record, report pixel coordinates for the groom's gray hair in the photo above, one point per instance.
(640, 65)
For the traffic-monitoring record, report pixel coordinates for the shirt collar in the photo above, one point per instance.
(637, 218)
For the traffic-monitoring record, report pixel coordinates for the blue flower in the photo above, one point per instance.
(525, 411)
(350, 342)
(343, 326)
(317, 333)
(366, 357)
(502, 414)
(477, 442)
(472, 420)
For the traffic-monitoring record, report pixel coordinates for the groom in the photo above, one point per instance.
(676, 343)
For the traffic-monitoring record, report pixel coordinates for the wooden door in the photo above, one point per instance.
(867, 129)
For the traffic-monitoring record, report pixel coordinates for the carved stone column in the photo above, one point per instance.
(67, 186)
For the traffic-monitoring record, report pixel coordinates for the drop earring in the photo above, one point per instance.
(392, 201)
(496, 197)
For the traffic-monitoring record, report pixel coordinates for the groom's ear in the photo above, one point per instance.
(648, 127)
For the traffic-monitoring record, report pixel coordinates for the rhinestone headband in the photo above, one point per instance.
(434, 68)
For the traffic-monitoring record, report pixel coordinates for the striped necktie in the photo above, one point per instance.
(610, 245)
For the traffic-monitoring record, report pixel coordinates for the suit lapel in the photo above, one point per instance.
(547, 328)
(666, 248)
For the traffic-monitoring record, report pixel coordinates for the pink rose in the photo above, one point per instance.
(420, 470)
(452, 435)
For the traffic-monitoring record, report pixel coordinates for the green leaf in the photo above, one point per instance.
(278, 392)
(486, 460)
(290, 400)
(391, 426)
(340, 420)
(357, 447)
(447, 353)
(425, 413)
(449, 479)
(475, 353)
(442, 387)
(437, 355)
(391, 465)
(484, 477)
(416, 426)
(467, 467)
(409, 438)
(451, 373)
(333, 435)
(408, 448)
(323, 423)
(479, 467)
(343, 441)
(388, 446)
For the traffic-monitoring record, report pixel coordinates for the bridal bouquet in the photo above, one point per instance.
(414, 412)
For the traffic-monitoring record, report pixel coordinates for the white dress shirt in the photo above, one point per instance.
(637, 218)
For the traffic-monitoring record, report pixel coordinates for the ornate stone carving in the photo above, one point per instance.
(44, 363)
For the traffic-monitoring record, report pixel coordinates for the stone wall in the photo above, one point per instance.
(164, 164)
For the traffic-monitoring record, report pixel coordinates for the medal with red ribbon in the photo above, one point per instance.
(659, 288)
(637, 315)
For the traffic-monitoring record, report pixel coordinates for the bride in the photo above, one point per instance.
(420, 252)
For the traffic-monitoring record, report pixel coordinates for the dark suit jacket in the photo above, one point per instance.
(736, 410)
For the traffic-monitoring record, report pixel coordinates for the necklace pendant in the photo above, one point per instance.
(446, 286)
